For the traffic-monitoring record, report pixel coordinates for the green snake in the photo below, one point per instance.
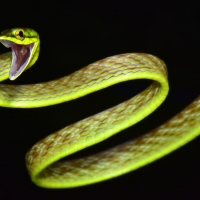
(44, 159)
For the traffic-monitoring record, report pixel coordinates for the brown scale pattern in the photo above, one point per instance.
(129, 153)
(98, 127)
(87, 77)
(98, 124)
(5, 63)
(101, 126)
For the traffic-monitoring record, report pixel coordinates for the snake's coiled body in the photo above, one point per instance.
(41, 159)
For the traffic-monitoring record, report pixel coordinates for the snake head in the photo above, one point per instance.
(24, 43)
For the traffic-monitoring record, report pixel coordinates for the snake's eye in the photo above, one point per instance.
(19, 34)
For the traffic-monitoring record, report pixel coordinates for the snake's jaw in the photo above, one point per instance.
(21, 55)
(20, 59)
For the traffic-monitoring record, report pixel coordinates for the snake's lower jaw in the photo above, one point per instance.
(20, 57)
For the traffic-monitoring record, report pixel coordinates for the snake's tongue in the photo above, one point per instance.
(20, 58)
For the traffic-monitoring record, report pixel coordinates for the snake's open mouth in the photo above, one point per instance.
(20, 57)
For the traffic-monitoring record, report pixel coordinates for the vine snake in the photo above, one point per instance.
(42, 159)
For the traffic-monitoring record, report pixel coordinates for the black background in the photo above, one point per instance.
(76, 33)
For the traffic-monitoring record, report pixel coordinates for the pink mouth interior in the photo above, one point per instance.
(20, 57)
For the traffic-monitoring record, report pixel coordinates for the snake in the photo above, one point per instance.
(44, 161)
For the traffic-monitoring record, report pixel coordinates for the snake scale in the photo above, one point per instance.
(42, 159)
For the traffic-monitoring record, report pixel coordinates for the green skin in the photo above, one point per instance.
(41, 160)
(30, 36)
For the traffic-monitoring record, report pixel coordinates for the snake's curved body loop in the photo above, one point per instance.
(43, 158)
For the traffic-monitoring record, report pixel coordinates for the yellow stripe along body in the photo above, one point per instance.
(42, 157)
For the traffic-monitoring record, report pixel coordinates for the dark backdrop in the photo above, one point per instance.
(76, 33)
